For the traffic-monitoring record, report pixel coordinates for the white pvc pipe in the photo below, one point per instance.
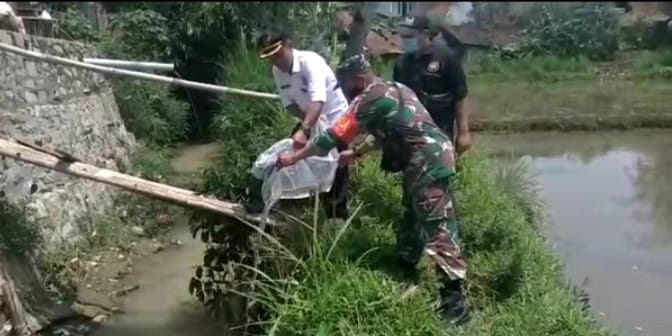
(121, 72)
(130, 64)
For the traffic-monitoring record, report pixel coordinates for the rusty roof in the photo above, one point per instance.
(383, 43)
(389, 43)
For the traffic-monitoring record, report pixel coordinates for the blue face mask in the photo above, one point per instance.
(410, 45)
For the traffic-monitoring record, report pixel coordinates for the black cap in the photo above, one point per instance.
(271, 41)
(419, 22)
(352, 65)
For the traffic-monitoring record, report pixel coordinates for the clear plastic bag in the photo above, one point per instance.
(305, 178)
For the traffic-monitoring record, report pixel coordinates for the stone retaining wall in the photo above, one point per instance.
(66, 108)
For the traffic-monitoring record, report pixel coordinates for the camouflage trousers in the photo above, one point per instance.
(429, 224)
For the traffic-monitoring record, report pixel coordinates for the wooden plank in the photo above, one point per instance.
(131, 183)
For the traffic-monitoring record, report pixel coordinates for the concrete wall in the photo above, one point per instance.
(66, 108)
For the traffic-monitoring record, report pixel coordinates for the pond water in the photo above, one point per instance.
(609, 201)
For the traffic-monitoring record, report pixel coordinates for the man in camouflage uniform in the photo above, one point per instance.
(415, 146)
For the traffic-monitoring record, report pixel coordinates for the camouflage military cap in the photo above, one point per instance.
(352, 65)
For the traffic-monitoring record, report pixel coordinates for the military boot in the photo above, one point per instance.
(452, 306)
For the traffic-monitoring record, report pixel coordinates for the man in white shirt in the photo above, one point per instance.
(310, 91)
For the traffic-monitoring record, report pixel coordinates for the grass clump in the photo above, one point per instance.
(341, 298)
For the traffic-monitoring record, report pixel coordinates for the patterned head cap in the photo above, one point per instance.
(352, 65)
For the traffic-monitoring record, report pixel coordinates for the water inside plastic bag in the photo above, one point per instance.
(305, 178)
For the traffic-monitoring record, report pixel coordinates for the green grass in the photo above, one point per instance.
(529, 99)
(632, 65)
(551, 93)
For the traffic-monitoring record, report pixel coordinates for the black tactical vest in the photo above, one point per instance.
(425, 75)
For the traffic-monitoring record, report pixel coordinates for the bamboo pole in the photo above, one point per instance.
(121, 72)
(156, 190)
(130, 65)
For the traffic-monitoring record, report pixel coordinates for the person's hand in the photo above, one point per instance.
(346, 157)
(463, 143)
(284, 160)
(300, 139)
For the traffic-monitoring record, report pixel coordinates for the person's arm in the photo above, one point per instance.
(360, 112)
(462, 116)
(457, 84)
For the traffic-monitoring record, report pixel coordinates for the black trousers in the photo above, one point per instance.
(335, 202)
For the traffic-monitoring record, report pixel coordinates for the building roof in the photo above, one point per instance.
(381, 42)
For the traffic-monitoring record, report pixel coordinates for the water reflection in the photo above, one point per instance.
(609, 196)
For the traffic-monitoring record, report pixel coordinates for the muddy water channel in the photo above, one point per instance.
(162, 306)
(609, 201)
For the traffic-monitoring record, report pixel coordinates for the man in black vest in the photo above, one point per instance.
(437, 77)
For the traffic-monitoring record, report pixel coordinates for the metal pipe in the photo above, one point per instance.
(130, 64)
(121, 72)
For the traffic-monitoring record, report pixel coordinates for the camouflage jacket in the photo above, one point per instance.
(377, 109)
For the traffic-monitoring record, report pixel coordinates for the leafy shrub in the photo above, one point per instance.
(591, 31)
(138, 34)
(150, 111)
(73, 25)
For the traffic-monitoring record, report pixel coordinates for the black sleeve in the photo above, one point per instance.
(455, 77)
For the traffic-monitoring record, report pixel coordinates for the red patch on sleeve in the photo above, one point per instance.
(347, 128)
